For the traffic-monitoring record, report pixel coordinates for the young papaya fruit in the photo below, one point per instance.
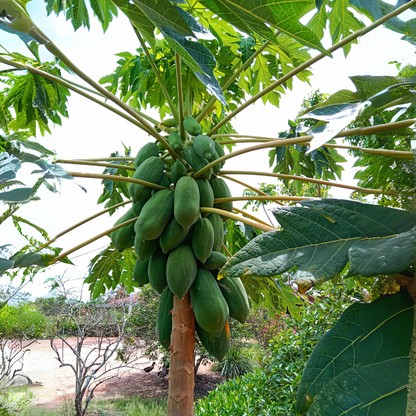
(202, 239)
(221, 190)
(181, 269)
(173, 235)
(192, 126)
(204, 146)
(208, 303)
(206, 195)
(197, 162)
(155, 215)
(150, 170)
(216, 168)
(164, 318)
(140, 272)
(215, 261)
(178, 171)
(220, 151)
(217, 346)
(124, 237)
(157, 270)
(236, 297)
(186, 201)
(175, 141)
(148, 150)
(169, 122)
(145, 249)
(218, 227)
(138, 206)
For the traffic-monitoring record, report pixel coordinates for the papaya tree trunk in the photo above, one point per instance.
(181, 373)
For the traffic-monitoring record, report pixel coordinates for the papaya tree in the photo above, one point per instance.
(200, 64)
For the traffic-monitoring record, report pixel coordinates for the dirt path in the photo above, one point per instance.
(56, 384)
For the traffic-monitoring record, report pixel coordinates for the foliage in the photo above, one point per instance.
(15, 401)
(271, 389)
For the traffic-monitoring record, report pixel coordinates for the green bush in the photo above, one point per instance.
(236, 362)
(271, 390)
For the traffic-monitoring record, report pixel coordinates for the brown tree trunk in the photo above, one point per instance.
(181, 373)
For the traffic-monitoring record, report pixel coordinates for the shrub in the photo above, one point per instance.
(271, 390)
(236, 362)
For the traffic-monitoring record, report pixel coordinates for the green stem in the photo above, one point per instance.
(180, 96)
(310, 62)
(162, 85)
(213, 99)
(89, 163)
(188, 95)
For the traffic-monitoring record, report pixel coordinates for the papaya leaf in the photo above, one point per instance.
(5, 264)
(127, 262)
(319, 238)
(16, 195)
(361, 365)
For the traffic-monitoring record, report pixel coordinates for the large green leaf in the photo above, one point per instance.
(280, 14)
(320, 237)
(16, 195)
(361, 366)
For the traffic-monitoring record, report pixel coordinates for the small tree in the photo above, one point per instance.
(107, 324)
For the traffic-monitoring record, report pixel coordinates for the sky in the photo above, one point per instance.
(92, 131)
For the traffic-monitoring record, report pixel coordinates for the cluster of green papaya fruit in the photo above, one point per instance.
(177, 245)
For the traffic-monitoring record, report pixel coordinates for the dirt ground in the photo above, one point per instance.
(55, 384)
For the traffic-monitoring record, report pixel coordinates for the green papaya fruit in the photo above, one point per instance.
(181, 269)
(204, 146)
(138, 206)
(161, 147)
(164, 318)
(196, 162)
(148, 150)
(145, 249)
(218, 227)
(220, 151)
(216, 168)
(210, 307)
(215, 261)
(217, 346)
(150, 170)
(192, 126)
(236, 297)
(157, 270)
(155, 215)
(173, 235)
(169, 122)
(178, 171)
(175, 142)
(186, 201)
(202, 239)
(124, 237)
(206, 195)
(140, 272)
(221, 190)
(164, 181)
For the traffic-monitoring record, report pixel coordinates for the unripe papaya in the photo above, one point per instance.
(202, 239)
(124, 237)
(178, 171)
(218, 227)
(236, 297)
(173, 235)
(204, 146)
(175, 141)
(192, 126)
(206, 195)
(220, 151)
(210, 307)
(140, 272)
(216, 168)
(215, 261)
(164, 181)
(138, 206)
(196, 162)
(186, 201)
(161, 147)
(169, 122)
(157, 270)
(149, 149)
(164, 318)
(155, 215)
(221, 190)
(145, 249)
(150, 170)
(181, 270)
(217, 346)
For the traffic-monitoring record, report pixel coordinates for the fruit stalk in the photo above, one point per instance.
(182, 377)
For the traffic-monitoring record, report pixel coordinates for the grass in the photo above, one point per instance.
(132, 406)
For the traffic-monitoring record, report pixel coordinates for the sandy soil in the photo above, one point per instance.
(54, 384)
